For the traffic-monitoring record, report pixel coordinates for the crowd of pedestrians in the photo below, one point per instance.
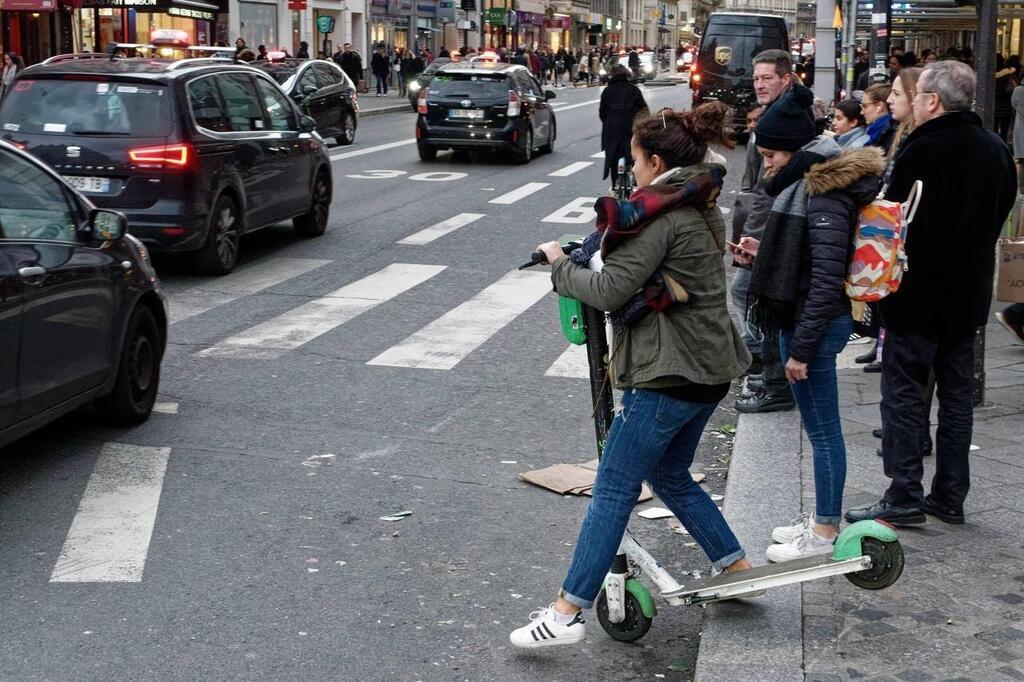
(794, 226)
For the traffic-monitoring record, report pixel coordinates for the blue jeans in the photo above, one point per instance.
(817, 398)
(739, 291)
(653, 438)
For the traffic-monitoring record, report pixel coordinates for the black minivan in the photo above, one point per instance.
(724, 69)
(195, 152)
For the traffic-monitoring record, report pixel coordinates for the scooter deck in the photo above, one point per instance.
(727, 585)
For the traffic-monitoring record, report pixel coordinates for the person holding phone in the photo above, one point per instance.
(798, 287)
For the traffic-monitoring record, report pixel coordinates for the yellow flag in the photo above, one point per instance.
(837, 18)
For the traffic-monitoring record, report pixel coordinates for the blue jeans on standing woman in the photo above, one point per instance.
(817, 398)
(653, 438)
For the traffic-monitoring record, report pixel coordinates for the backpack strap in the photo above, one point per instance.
(913, 199)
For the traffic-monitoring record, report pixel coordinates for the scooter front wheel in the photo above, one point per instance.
(886, 564)
(634, 626)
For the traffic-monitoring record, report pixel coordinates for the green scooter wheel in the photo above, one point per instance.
(886, 564)
(634, 626)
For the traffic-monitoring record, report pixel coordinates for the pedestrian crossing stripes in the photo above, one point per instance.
(109, 537)
(301, 325)
(446, 341)
(519, 193)
(571, 364)
(570, 169)
(442, 228)
(247, 280)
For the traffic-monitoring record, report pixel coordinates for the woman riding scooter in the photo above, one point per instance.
(675, 351)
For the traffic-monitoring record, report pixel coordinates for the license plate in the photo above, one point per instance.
(89, 184)
(466, 113)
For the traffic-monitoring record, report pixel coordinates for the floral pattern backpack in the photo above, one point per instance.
(879, 253)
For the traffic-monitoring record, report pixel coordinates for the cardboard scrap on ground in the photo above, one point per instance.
(571, 479)
(655, 513)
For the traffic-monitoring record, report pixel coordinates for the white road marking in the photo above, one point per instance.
(438, 176)
(599, 155)
(301, 325)
(570, 169)
(377, 175)
(371, 150)
(429, 234)
(580, 104)
(519, 193)
(577, 212)
(572, 364)
(109, 537)
(245, 281)
(165, 408)
(446, 341)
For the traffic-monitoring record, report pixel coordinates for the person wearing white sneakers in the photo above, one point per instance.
(675, 351)
(798, 287)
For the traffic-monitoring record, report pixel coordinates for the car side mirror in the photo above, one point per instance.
(308, 90)
(307, 124)
(549, 94)
(107, 225)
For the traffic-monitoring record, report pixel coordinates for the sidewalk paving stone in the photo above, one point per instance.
(957, 613)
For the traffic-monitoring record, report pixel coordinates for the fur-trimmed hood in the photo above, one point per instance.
(845, 170)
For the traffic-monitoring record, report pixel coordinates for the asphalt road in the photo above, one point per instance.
(324, 384)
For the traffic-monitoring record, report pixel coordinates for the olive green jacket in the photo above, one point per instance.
(692, 342)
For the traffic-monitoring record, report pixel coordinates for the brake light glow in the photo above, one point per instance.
(695, 78)
(174, 156)
(421, 103)
(513, 103)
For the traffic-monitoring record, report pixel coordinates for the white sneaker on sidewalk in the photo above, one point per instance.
(544, 631)
(792, 531)
(807, 544)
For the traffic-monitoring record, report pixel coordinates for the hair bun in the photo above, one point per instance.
(802, 96)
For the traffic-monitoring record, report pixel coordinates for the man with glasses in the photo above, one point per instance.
(945, 294)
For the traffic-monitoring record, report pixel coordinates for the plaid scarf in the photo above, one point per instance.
(621, 220)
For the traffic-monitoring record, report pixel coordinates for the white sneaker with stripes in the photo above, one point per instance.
(784, 534)
(544, 631)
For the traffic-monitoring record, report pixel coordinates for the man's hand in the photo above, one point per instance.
(745, 251)
(795, 371)
(552, 250)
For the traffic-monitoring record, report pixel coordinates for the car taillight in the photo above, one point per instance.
(173, 156)
(695, 78)
(421, 103)
(513, 103)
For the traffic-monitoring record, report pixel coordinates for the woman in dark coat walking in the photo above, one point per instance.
(621, 101)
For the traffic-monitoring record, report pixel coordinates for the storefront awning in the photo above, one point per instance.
(28, 5)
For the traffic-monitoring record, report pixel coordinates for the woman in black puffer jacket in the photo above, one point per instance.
(798, 286)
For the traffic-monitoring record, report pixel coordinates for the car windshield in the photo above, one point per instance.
(434, 66)
(87, 107)
(280, 75)
(469, 85)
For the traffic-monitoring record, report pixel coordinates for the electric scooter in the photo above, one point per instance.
(868, 553)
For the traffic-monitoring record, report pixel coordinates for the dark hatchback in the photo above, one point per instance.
(423, 79)
(485, 105)
(82, 318)
(724, 68)
(195, 152)
(322, 91)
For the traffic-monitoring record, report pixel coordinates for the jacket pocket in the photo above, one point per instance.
(645, 341)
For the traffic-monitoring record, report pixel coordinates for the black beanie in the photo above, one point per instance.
(787, 124)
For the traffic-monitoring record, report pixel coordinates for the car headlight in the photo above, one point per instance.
(415, 87)
(680, 62)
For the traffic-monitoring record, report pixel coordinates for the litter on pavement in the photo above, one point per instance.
(397, 516)
(655, 513)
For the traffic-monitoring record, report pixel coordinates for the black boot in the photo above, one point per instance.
(874, 367)
(763, 401)
(883, 511)
(867, 357)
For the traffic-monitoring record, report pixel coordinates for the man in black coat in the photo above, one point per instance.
(379, 66)
(621, 101)
(969, 187)
(351, 63)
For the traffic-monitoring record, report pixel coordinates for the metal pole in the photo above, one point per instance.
(985, 106)
(881, 18)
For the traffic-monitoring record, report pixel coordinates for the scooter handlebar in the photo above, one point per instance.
(538, 257)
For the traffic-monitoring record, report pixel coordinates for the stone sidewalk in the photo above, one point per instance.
(957, 613)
